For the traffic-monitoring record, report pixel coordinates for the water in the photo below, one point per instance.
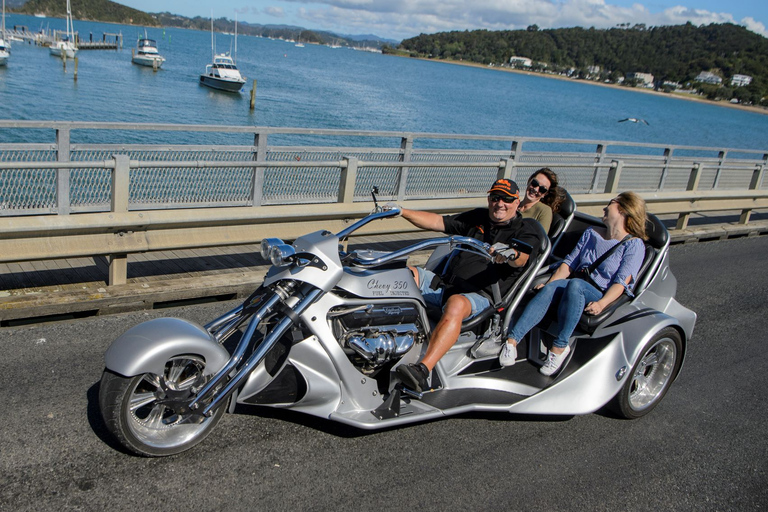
(320, 87)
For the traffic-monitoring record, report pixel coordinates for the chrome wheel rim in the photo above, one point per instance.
(155, 424)
(652, 374)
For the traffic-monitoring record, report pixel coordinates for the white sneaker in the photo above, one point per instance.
(554, 361)
(508, 354)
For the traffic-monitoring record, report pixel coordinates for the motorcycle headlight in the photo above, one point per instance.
(281, 254)
(266, 247)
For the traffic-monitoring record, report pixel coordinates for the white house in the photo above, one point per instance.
(741, 80)
(645, 78)
(524, 62)
(708, 78)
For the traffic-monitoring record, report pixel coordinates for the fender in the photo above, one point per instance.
(146, 347)
(595, 383)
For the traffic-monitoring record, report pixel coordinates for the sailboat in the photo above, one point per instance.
(222, 74)
(66, 47)
(5, 48)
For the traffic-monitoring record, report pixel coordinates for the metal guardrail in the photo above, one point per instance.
(83, 199)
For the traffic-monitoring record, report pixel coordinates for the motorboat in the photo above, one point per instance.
(5, 48)
(4, 52)
(146, 54)
(66, 47)
(222, 74)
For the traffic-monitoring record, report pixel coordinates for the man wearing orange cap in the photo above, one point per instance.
(467, 287)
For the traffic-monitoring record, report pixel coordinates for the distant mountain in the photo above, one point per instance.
(274, 31)
(370, 37)
(95, 10)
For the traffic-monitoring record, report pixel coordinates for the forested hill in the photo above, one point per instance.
(97, 10)
(675, 53)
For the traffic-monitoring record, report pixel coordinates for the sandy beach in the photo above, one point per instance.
(682, 96)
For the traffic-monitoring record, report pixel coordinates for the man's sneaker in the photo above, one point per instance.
(508, 355)
(554, 361)
(489, 347)
(414, 376)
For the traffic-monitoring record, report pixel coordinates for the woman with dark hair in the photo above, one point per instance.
(542, 197)
(624, 220)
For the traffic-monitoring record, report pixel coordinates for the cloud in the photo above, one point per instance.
(754, 26)
(407, 18)
(275, 12)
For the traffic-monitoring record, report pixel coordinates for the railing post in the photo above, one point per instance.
(693, 185)
(598, 165)
(257, 180)
(614, 174)
(507, 169)
(665, 169)
(720, 160)
(347, 181)
(62, 175)
(406, 149)
(121, 179)
(754, 184)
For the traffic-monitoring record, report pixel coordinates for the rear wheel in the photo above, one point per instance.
(651, 376)
(147, 414)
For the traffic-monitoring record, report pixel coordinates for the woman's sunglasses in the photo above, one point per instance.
(536, 185)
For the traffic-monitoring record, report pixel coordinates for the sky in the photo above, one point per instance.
(401, 19)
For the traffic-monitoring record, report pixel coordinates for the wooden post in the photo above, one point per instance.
(693, 184)
(75, 68)
(154, 65)
(347, 180)
(253, 95)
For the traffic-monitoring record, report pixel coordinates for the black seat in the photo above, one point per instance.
(561, 219)
(658, 238)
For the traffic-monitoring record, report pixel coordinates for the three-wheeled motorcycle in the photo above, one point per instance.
(326, 330)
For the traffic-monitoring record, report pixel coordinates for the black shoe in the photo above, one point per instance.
(414, 376)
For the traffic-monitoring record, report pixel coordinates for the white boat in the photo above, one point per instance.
(66, 47)
(299, 45)
(146, 53)
(222, 74)
(5, 47)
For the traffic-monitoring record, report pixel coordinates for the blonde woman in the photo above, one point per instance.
(624, 220)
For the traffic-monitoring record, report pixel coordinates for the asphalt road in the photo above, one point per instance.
(703, 448)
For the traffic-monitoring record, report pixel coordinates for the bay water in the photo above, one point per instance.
(338, 88)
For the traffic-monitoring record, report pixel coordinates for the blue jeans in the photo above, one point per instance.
(434, 298)
(573, 295)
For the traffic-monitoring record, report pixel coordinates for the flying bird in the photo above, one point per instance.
(634, 120)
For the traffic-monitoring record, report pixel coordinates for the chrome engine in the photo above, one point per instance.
(373, 334)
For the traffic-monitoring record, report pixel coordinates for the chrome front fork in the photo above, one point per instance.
(258, 354)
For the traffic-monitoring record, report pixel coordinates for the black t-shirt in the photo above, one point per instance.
(469, 272)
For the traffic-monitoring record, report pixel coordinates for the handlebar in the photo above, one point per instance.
(382, 214)
(476, 246)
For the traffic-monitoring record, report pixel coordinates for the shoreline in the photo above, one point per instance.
(747, 108)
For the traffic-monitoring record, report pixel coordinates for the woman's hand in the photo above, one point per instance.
(539, 286)
(594, 308)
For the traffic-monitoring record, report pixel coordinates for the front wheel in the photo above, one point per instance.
(145, 413)
(651, 376)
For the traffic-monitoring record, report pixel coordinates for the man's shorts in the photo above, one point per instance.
(434, 298)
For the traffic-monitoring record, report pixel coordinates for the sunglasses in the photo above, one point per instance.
(505, 199)
(535, 184)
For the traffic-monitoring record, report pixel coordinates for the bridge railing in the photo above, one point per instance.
(71, 199)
